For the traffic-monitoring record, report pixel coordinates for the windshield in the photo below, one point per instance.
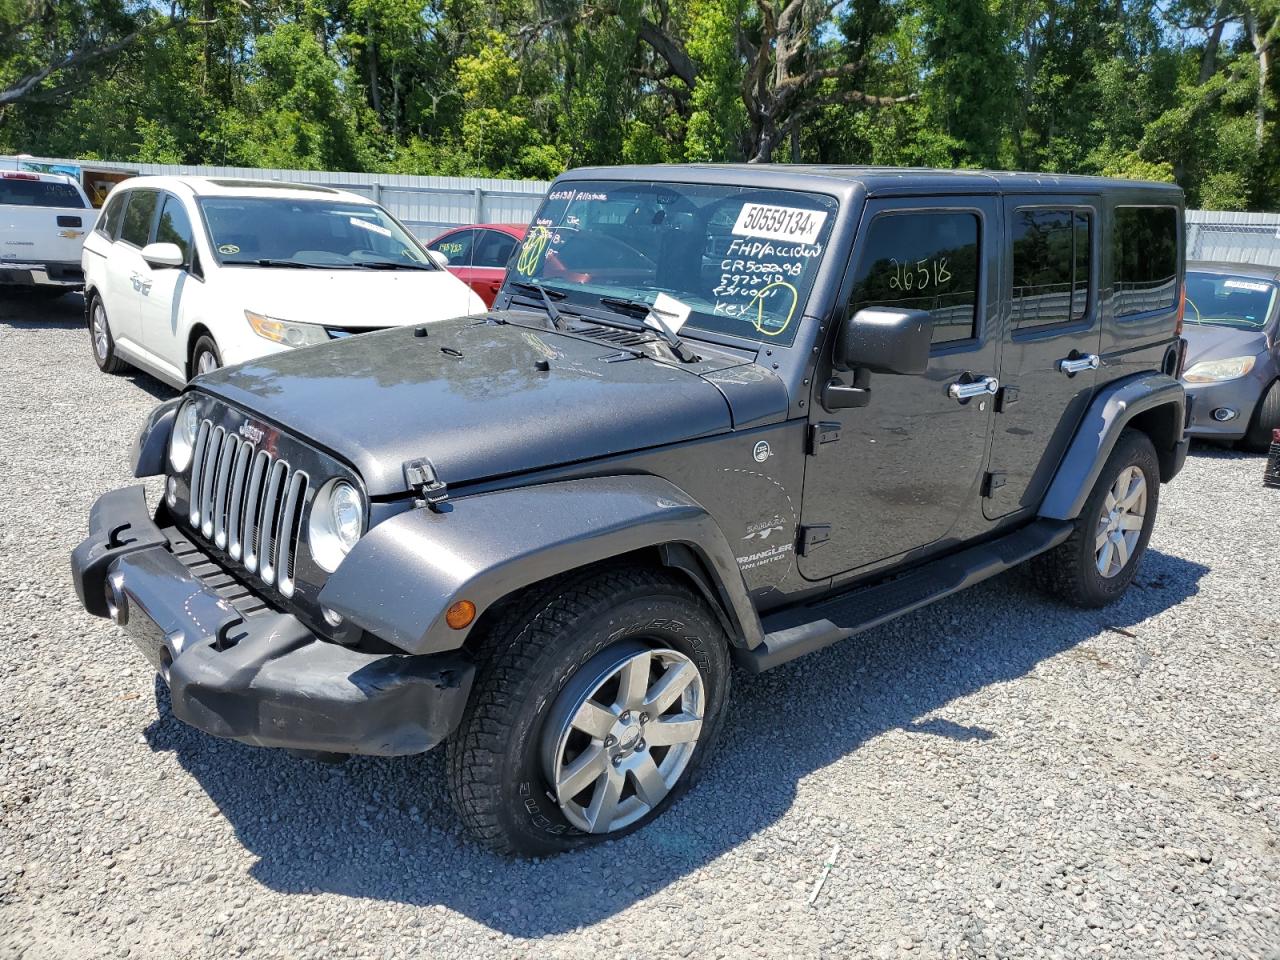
(308, 233)
(741, 258)
(1241, 302)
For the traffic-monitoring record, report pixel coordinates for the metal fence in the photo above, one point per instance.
(426, 205)
(1234, 237)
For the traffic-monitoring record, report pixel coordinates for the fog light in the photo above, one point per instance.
(460, 614)
(331, 618)
(171, 491)
(1223, 414)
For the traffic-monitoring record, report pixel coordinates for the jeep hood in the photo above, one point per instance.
(1211, 342)
(471, 397)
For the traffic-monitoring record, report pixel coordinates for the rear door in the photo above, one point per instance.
(1049, 358)
(492, 250)
(906, 469)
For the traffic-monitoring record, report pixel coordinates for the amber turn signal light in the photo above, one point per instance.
(460, 614)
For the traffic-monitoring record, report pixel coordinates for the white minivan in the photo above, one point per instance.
(187, 274)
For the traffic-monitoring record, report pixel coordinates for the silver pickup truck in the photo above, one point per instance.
(44, 218)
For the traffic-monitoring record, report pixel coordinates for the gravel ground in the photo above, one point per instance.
(1005, 777)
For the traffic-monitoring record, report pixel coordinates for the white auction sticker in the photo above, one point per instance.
(374, 227)
(1246, 285)
(779, 223)
(669, 312)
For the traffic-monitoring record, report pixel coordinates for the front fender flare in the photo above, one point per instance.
(405, 573)
(1115, 407)
(151, 447)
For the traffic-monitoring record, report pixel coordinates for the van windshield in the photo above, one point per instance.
(1227, 301)
(742, 258)
(274, 231)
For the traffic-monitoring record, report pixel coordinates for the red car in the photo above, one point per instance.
(478, 254)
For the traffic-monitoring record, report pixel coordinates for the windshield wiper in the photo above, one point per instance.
(533, 285)
(389, 265)
(643, 311)
(270, 262)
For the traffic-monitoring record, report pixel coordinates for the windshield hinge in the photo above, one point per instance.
(421, 476)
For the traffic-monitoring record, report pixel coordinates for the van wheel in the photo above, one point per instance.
(595, 705)
(1265, 419)
(104, 345)
(1096, 564)
(205, 357)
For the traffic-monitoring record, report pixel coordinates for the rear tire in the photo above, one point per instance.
(559, 706)
(1265, 419)
(1096, 564)
(100, 338)
(205, 357)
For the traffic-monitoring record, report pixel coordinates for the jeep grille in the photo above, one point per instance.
(247, 503)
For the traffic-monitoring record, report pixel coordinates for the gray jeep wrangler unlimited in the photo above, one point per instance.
(718, 414)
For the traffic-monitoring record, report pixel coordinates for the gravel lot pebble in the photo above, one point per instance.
(1005, 777)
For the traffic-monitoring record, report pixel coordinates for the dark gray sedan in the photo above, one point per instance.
(1232, 368)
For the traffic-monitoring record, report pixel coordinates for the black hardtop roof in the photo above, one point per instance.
(1224, 267)
(877, 179)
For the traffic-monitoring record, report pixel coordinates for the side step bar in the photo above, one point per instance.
(796, 631)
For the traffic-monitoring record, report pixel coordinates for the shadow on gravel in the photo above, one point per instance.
(26, 312)
(382, 829)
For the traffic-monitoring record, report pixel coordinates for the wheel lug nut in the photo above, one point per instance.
(639, 746)
(644, 718)
(610, 740)
(617, 761)
(626, 716)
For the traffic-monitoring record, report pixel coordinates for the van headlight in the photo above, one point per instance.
(337, 522)
(1214, 371)
(182, 441)
(285, 331)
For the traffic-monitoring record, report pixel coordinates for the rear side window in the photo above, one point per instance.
(922, 261)
(137, 217)
(1050, 267)
(494, 249)
(21, 192)
(174, 226)
(109, 222)
(456, 247)
(1146, 241)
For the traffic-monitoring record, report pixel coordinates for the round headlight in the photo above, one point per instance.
(183, 439)
(337, 521)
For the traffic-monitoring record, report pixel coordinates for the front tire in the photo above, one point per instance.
(104, 344)
(1096, 564)
(205, 356)
(1265, 419)
(595, 704)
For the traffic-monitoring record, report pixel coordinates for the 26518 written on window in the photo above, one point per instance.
(923, 261)
(1050, 267)
(1146, 259)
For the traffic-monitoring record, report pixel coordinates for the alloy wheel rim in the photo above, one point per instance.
(621, 734)
(99, 331)
(206, 362)
(1120, 523)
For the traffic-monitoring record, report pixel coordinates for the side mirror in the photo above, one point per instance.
(883, 340)
(438, 258)
(163, 255)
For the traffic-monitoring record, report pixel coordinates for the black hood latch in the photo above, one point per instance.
(421, 476)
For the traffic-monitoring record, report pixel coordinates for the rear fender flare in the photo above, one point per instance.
(1154, 402)
(403, 575)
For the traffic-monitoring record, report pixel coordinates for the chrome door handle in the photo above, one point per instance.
(1090, 361)
(967, 391)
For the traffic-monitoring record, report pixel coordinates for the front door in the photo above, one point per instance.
(907, 468)
(125, 267)
(163, 287)
(1049, 358)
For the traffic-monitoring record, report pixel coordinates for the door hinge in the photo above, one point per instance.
(813, 536)
(991, 482)
(421, 476)
(820, 433)
(1006, 396)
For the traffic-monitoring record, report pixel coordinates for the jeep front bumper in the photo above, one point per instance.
(264, 679)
